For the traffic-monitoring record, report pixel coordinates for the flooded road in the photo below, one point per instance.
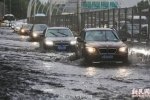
(28, 74)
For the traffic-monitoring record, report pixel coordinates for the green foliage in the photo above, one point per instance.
(143, 5)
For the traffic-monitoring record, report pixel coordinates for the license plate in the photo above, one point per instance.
(61, 47)
(107, 57)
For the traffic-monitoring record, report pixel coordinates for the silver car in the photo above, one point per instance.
(58, 39)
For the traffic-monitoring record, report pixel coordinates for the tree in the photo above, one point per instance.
(17, 7)
(143, 5)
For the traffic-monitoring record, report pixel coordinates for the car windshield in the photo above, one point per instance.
(101, 35)
(58, 33)
(39, 27)
(26, 26)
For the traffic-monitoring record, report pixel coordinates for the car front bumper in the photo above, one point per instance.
(66, 48)
(106, 57)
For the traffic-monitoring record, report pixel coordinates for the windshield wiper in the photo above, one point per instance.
(62, 34)
(53, 34)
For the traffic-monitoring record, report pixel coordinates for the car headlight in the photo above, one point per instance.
(22, 30)
(123, 49)
(49, 43)
(73, 42)
(35, 34)
(91, 49)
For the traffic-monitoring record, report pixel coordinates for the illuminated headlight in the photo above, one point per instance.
(49, 43)
(90, 49)
(123, 49)
(22, 30)
(73, 42)
(35, 35)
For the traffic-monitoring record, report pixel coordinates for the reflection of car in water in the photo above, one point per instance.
(102, 44)
(59, 39)
(37, 31)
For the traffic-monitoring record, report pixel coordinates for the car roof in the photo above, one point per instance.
(92, 29)
(57, 28)
(39, 24)
(40, 14)
(8, 15)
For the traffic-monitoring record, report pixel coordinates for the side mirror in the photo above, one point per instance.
(124, 39)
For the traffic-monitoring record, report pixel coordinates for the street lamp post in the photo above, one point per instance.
(10, 6)
(78, 14)
(4, 7)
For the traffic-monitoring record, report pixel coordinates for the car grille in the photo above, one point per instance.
(61, 43)
(108, 50)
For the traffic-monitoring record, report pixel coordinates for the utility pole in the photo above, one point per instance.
(10, 6)
(4, 7)
(78, 15)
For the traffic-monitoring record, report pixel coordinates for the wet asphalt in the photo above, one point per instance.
(28, 74)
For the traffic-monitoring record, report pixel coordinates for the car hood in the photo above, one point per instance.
(38, 32)
(106, 44)
(60, 39)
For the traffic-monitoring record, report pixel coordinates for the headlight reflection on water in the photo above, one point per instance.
(90, 71)
(23, 37)
(122, 72)
(35, 43)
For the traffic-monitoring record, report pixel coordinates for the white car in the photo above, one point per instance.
(17, 26)
(5, 23)
(58, 39)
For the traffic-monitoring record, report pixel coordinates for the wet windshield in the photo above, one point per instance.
(39, 27)
(58, 33)
(29, 26)
(101, 35)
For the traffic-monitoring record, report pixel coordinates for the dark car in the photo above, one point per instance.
(101, 44)
(37, 31)
(25, 29)
(58, 39)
